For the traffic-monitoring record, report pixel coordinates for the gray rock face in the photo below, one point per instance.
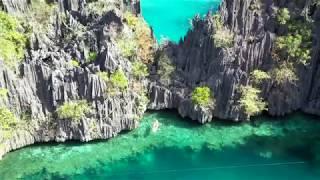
(14, 6)
(72, 5)
(199, 62)
(47, 79)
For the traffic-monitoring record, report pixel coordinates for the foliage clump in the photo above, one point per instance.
(131, 19)
(119, 80)
(116, 81)
(12, 41)
(142, 102)
(139, 70)
(296, 44)
(3, 93)
(8, 122)
(128, 48)
(92, 56)
(284, 73)
(202, 96)
(140, 44)
(258, 76)
(73, 110)
(74, 63)
(283, 16)
(295, 47)
(250, 101)
(145, 43)
(223, 38)
(165, 69)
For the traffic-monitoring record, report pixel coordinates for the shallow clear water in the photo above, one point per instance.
(288, 148)
(171, 18)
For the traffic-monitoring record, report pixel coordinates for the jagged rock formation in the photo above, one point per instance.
(46, 79)
(13, 6)
(199, 62)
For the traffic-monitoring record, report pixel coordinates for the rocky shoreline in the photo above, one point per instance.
(45, 79)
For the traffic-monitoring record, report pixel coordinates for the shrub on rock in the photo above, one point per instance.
(202, 96)
(73, 110)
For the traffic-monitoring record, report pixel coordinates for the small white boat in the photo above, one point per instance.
(155, 126)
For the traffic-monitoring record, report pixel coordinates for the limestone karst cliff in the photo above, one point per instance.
(47, 79)
(199, 61)
(75, 31)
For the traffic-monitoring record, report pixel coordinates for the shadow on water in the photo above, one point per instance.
(171, 117)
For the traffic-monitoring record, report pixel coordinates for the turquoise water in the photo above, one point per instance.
(171, 18)
(264, 149)
(287, 148)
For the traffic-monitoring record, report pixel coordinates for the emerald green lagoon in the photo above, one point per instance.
(286, 148)
(170, 19)
(266, 148)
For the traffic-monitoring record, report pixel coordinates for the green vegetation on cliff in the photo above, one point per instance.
(131, 20)
(119, 80)
(296, 44)
(250, 101)
(165, 68)
(259, 76)
(284, 73)
(139, 70)
(3, 93)
(116, 82)
(128, 46)
(283, 16)
(8, 122)
(12, 40)
(223, 38)
(73, 110)
(92, 56)
(74, 63)
(202, 96)
(139, 44)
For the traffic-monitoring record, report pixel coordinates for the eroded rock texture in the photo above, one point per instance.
(199, 62)
(46, 79)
